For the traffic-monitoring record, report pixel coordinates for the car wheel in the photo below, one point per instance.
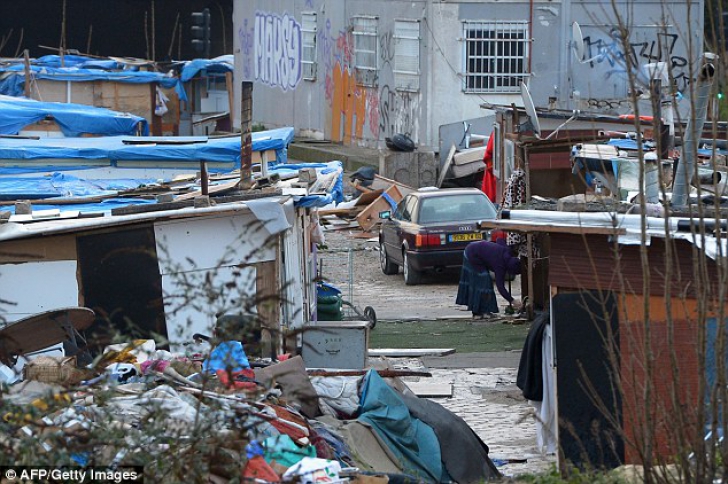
(388, 267)
(411, 275)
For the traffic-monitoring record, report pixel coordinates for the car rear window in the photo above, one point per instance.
(455, 208)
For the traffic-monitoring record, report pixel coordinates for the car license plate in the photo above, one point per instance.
(466, 237)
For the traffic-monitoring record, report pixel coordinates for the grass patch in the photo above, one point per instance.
(463, 335)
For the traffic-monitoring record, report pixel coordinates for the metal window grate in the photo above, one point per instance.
(496, 56)
(308, 54)
(366, 44)
(407, 55)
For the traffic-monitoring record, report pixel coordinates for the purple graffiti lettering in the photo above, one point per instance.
(277, 50)
(325, 42)
(245, 37)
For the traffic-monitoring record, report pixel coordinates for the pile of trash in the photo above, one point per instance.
(183, 418)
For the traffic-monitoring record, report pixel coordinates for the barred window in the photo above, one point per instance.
(366, 53)
(308, 54)
(407, 55)
(495, 56)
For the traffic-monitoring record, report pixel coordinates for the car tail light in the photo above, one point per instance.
(429, 240)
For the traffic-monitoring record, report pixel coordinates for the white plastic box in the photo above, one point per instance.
(336, 344)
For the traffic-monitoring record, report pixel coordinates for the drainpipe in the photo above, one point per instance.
(530, 32)
(686, 167)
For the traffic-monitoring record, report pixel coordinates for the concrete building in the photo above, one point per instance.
(358, 72)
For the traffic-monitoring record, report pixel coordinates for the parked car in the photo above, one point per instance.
(429, 230)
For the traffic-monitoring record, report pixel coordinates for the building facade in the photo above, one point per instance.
(358, 72)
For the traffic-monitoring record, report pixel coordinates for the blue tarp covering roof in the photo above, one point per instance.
(12, 77)
(64, 185)
(73, 119)
(116, 148)
(220, 64)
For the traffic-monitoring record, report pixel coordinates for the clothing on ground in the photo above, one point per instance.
(228, 355)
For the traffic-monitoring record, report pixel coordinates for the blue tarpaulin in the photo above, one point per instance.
(63, 185)
(337, 192)
(12, 77)
(73, 119)
(58, 151)
(220, 65)
(410, 439)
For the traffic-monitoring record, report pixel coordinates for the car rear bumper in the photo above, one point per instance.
(423, 260)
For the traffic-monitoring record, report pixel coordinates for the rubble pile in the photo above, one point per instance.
(182, 422)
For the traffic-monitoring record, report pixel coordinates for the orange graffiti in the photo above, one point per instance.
(348, 106)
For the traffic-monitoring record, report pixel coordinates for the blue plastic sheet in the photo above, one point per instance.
(218, 65)
(13, 77)
(73, 119)
(63, 185)
(411, 440)
(337, 192)
(114, 148)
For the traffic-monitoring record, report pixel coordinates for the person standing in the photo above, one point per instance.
(475, 289)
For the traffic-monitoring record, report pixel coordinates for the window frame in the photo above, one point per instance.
(500, 69)
(403, 78)
(365, 28)
(309, 74)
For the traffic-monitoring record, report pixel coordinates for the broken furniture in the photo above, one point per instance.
(37, 332)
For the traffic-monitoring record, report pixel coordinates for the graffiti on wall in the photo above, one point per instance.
(245, 36)
(662, 48)
(348, 105)
(386, 48)
(384, 110)
(277, 50)
(399, 112)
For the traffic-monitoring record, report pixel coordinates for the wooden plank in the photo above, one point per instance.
(358, 186)
(212, 189)
(268, 305)
(430, 390)
(446, 166)
(384, 373)
(410, 352)
(369, 217)
(338, 211)
(367, 198)
(382, 183)
(529, 227)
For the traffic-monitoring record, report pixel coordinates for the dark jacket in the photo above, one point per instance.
(497, 258)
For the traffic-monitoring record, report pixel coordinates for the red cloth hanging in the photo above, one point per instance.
(489, 181)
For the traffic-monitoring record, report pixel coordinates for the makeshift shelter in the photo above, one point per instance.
(138, 157)
(608, 278)
(126, 85)
(20, 116)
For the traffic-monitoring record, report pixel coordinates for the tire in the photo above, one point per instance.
(412, 277)
(388, 267)
(371, 316)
